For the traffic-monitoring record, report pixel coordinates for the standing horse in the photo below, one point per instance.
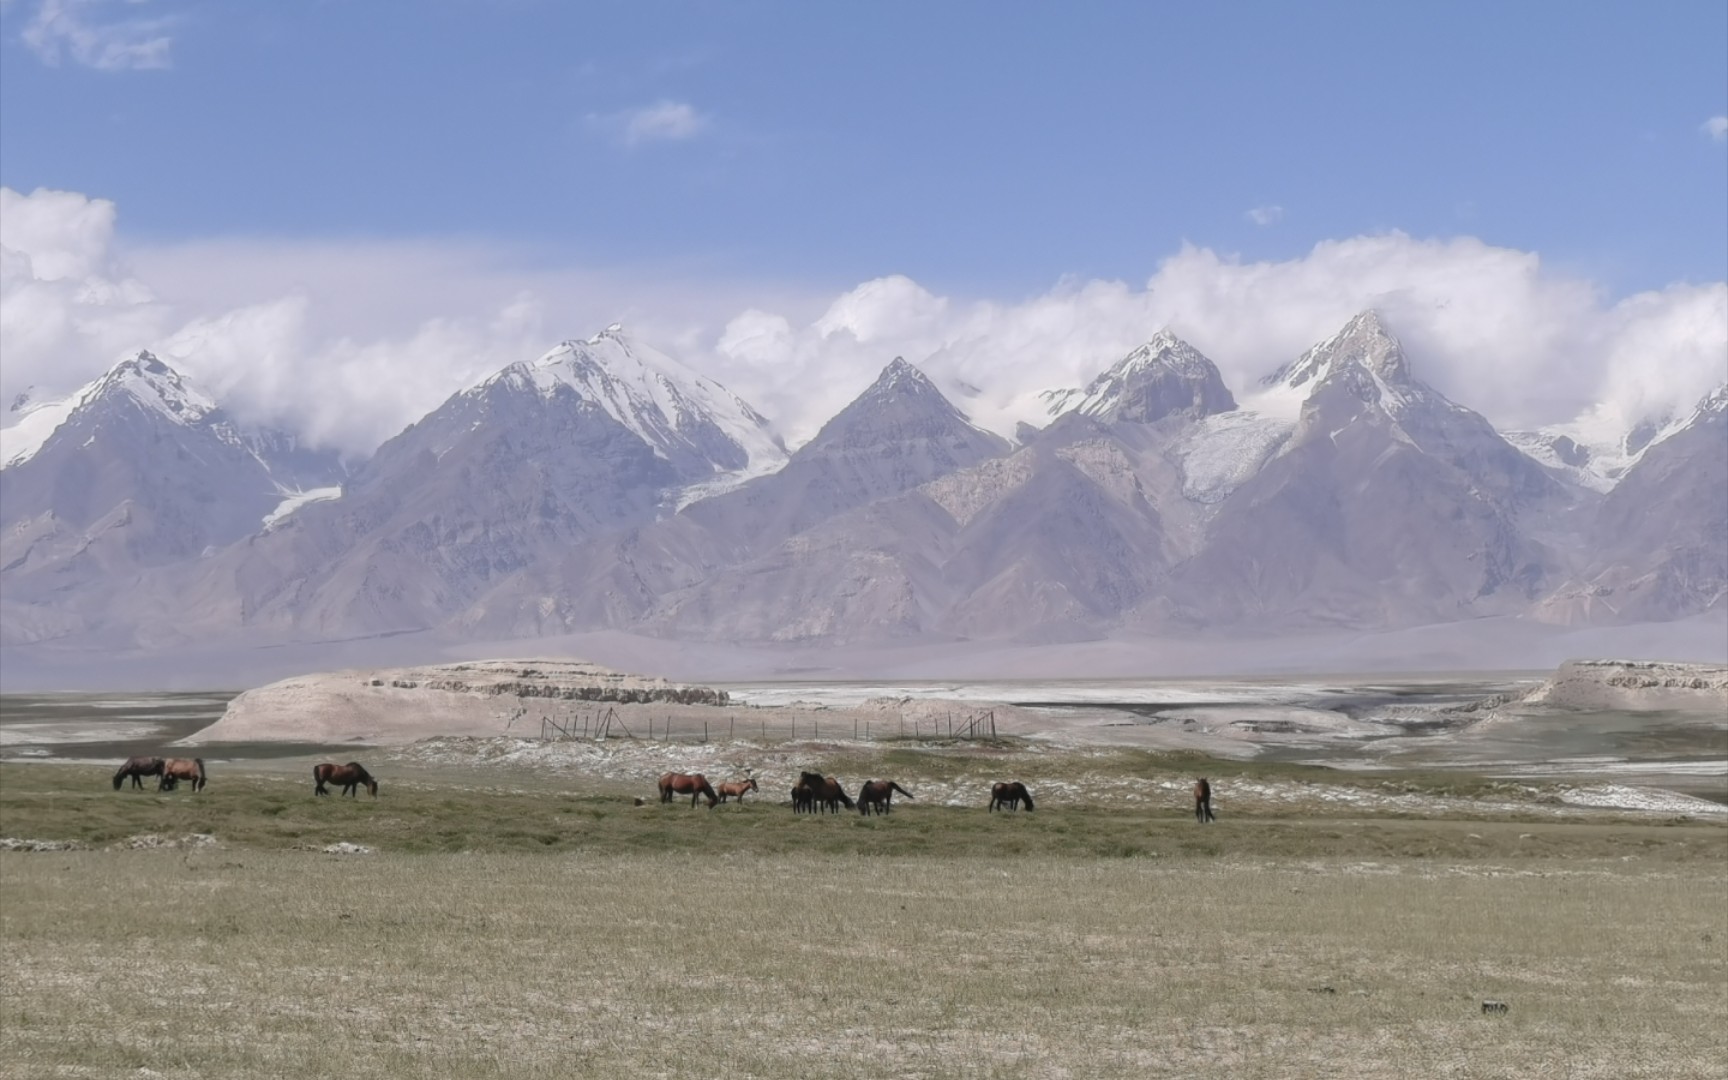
(1009, 795)
(803, 799)
(736, 789)
(137, 768)
(878, 795)
(825, 790)
(1203, 801)
(176, 769)
(351, 776)
(691, 784)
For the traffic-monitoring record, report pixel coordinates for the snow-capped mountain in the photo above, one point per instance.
(605, 485)
(141, 467)
(1658, 546)
(510, 474)
(692, 422)
(1387, 505)
(1163, 376)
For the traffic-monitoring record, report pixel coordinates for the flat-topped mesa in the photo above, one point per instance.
(556, 679)
(1635, 685)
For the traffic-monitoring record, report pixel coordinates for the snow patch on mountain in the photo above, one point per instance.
(294, 500)
(1224, 450)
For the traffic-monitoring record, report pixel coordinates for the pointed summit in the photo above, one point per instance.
(1364, 342)
(1164, 376)
(689, 420)
(901, 405)
(153, 385)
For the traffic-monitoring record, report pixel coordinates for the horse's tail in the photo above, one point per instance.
(845, 800)
(202, 779)
(1027, 795)
(901, 790)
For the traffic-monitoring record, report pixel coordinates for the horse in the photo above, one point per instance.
(737, 788)
(825, 790)
(1203, 801)
(803, 798)
(351, 776)
(137, 768)
(1009, 795)
(691, 784)
(878, 795)
(175, 769)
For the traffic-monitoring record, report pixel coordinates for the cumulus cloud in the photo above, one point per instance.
(664, 121)
(1716, 127)
(1265, 215)
(85, 32)
(349, 343)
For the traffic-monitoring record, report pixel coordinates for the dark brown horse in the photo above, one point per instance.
(1203, 801)
(137, 768)
(736, 789)
(825, 791)
(803, 798)
(351, 777)
(176, 769)
(694, 785)
(878, 795)
(1008, 795)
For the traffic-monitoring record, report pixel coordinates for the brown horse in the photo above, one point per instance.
(803, 798)
(137, 768)
(878, 795)
(1009, 795)
(351, 777)
(1203, 801)
(694, 785)
(826, 791)
(176, 769)
(736, 789)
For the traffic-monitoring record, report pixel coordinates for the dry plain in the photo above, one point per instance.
(522, 918)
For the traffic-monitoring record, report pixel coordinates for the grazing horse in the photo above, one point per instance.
(1009, 795)
(878, 795)
(351, 776)
(176, 769)
(825, 790)
(1203, 802)
(737, 788)
(691, 784)
(137, 768)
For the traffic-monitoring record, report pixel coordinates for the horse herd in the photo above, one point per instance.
(813, 793)
(170, 771)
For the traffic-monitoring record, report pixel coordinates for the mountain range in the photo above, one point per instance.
(607, 485)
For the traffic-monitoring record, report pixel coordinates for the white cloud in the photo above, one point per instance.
(1716, 127)
(662, 122)
(81, 30)
(349, 343)
(1265, 215)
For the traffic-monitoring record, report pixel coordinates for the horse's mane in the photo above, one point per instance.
(1025, 794)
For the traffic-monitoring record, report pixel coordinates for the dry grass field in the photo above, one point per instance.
(521, 931)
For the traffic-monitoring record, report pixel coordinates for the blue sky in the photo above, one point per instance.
(1012, 194)
(974, 147)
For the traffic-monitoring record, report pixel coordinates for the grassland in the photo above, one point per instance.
(508, 927)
